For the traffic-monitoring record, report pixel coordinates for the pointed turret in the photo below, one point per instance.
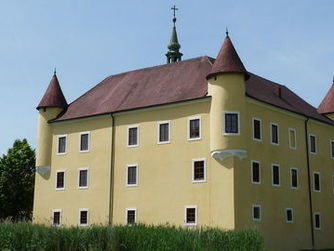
(53, 96)
(228, 60)
(174, 55)
(327, 105)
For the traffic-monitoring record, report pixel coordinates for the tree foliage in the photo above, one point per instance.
(17, 174)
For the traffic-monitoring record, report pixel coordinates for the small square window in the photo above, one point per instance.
(231, 123)
(289, 215)
(84, 142)
(56, 217)
(317, 221)
(131, 217)
(199, 170)
(133, 136)
(62, 144)
(132, 175)
(256, 212)
(256, 173)
(316, 182)
(257, 129)
(191, 215)
(83, 178)
(313, 144)
(292, 138)
(164, 131)
(275, 175)
(194, 128)
(83, 214)
(274, 134)
(60, 180)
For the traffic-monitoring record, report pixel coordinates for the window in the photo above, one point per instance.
(231, 123)
(62, 144)
(274, 134)
(294, 177)
(56, 217)
(316, 182)
(194, 128)
(199, 170)
(257, 129)
(292, 138)
(83, 217)
(256, 173)
(256, 212)
(332, 148)
(84, 141)
(333, 183)
(163, 132)
(313, 144)
(83, 178)
(132, 175)
(131, 217)
(133, 136)
(191, 215)
(317, 221)
(60, 180)
(289, 215)
(275, 175)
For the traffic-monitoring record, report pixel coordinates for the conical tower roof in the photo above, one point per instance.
(327, 104)
(227, 61)
(53, 96)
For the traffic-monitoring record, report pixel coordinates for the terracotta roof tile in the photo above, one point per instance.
(327, 104)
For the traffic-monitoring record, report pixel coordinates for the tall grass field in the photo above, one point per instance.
(26, 236)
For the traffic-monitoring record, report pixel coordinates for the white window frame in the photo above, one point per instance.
(81, 210)
(169, 136)
(193, 170)
(126, 215)
(330, 149)
(60, 188)
(66, 140)
(258, 119)
(295, 133)
(185, 215)
(126, 175)
(292, 187)
(228, 133)
(82, 169)
(271, 134)
(254, 206)
(252, 180)
(84, 151)
(317, 191)
(315, 143)
(200, 128)
(128, 134)
(314, 222)
(272, 175)
(286, 215)
(60, 217)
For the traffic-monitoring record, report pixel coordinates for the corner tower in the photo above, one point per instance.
(51, 105)
(174, 55)
(327, 105)
(226, 86)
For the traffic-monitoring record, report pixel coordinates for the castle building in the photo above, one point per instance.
(196, 142)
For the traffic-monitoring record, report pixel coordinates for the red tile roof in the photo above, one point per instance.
(227, 60)
(53, 96)
(327, 104)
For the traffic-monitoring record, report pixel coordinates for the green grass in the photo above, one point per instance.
(26, 236)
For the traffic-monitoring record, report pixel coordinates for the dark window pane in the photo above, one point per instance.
(131, 217)
(257, 129)
(132, 175)
(61, 144)
(276, 175)
(256, 212)
(84, 142)
(60, 179)
(191, 215)
(312, 144)
(199, 170)
(317, 220)
(294, 178)
(83, 217)
(256, 172)
(274, 134)
(332, 149)
(56, 218)
(83, 177)
(133, 137)
(194, 128)
(289, 215)
(316, 182)
(164, 132)
(231, 123)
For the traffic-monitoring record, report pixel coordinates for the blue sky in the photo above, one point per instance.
(290, 42)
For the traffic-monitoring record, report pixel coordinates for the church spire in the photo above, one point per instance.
(173, 54)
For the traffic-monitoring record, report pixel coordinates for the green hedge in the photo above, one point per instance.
(25, 236)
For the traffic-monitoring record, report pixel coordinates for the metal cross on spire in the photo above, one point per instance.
(174, 9)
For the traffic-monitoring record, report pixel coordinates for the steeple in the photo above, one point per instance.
(53, 96)
(327, 104)
(173, 55)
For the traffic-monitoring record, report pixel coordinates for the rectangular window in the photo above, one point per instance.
(83, 178)
(164, 132)
(332, 148)
(199, 170)
(60, 180)
(274, 134)
(231, 123)
(289, 215)
(333, 183)
(275, 175)
(62, 144)
(317, 221)
(257, 129)
(56, 217)
(83, 217)
(292, 138)
(191, 215)
(131, 217)
(294, 177)
(132, 175)
(133, 136)
(194, 128)
(84, 141)
(256, 173)
(313, 144)
(316, 182)
(256, 212)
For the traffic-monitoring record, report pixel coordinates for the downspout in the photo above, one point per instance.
(112, 170)
(309, 180)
